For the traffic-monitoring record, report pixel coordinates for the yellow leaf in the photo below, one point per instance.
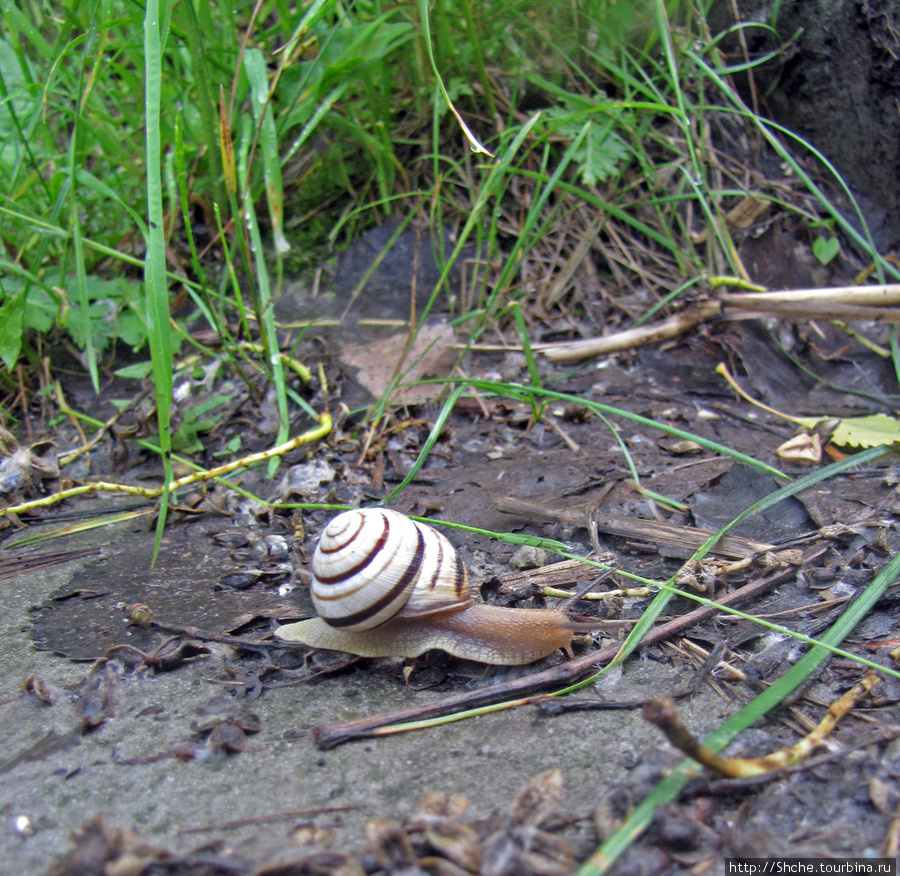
(860, 431)
(853, 432)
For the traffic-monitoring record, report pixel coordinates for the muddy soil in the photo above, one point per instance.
(206, 749)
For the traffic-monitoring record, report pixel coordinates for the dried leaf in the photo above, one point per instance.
(442, 867)
(228, 737)
(440, 805)
(537, 799)
(101, 850)
(743, 215)
(390, 844)
(456, 842)
(297, 862)
(8, 442)
(39, 689)
(526, 850)
(432, 354)
(92, 700)
(884, 795)
(806, 448)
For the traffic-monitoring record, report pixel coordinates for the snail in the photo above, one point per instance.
(387, 586)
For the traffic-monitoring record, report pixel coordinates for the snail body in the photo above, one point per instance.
(387, 586)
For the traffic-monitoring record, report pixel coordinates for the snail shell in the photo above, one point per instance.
(373, 564)
(387, 586)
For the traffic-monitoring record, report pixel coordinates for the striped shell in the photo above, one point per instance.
(372, 564)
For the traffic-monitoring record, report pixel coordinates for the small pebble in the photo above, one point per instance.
(528, 557)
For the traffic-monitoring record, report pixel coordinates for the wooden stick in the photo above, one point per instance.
(879, 303)
(802, 311)
(685, 538)
(574, 351)
(876, 296)
(661, 712)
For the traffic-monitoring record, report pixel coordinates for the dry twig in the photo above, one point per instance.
(663, 714)
(876, 303)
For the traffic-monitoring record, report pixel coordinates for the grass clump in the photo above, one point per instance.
(617, 159)
(324, 119)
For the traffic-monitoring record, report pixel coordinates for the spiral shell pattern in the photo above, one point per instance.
(372, 564)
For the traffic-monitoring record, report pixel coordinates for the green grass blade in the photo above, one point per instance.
(255, 68)
(182, 179)
(322, 110)
(18, 23)
(90, 357)
(75, 528)
(533, 371)
(267, 313)
(157, 290)
(895, 351)
(433, 436)
(474, 143)
(206, 101)
(470, 14)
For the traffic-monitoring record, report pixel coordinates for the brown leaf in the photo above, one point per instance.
(103, 851)
(390, 844)
(228, 737)
(39, 689)
(457, 842)
(297, 862)
(92, 700)
(439, 804)
(526, 850)
(537, 799)
(432, 354)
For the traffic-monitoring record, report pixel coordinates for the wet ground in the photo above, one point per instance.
(206, 750)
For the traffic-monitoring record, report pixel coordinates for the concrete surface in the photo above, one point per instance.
(280, 771)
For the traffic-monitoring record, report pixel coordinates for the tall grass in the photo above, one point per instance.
(343, 121)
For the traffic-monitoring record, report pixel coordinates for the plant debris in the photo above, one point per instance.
(663, 714)
(434, 839)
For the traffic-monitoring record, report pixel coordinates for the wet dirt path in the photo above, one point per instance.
(148, 764)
